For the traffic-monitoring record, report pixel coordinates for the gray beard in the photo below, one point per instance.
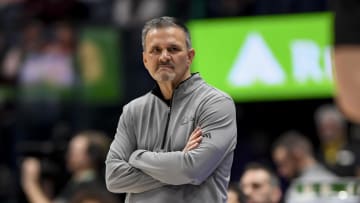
(162, 77)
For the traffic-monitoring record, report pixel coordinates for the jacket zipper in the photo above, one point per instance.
(166, 127)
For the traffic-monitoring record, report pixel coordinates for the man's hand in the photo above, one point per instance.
(30, 180)
(194, 140)
(30, 171)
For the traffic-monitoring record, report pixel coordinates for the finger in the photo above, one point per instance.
(195, 134)
(194, 142)
(198, 139)
(191, 143)
(187, 148)
(196, 130)
(195, 139)
(194, 146)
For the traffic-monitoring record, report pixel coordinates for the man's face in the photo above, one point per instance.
(286, 165)
(166, 56)
(329, 128)
(77, 156)
(256, 186)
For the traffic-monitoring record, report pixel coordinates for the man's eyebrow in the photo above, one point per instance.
(175, 45)
(154, 46)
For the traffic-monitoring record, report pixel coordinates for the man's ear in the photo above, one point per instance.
(144, 58)
(191, 55)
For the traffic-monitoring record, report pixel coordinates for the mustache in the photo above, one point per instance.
(166, 64)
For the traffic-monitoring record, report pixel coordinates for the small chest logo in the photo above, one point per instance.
(207, 135)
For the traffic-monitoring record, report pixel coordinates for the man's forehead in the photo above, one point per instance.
(164, 41)
(168, 32)
(256, 175)
(281, 152)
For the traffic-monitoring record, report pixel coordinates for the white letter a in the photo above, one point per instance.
(256, 63)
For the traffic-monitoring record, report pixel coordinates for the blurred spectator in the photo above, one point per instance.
(42, 65)
(85, 159)
(51, 64)
(133, 13)
(260, 185)
(64, 38)
(31, 42)
(293, 155)
(234, 194)
(338, 152)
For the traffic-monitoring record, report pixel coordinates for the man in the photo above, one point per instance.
(86, 151)
(337, 150)
(260, 185)
(293, 155)
(175, 143)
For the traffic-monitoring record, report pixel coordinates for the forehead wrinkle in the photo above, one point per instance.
(165, 35)
(167, 44)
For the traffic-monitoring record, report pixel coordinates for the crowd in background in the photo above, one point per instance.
(297, 163)
(42, 113)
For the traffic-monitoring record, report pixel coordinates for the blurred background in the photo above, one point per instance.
(70, 65)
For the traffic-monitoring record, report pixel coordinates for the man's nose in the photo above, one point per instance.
(165, 56)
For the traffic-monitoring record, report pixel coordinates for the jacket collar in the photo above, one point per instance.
(184, 88)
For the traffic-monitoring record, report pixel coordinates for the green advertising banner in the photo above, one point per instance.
(266, 58)
(99, 60)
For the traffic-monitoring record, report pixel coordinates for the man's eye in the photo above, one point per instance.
(173, 49)
(256, 185)
(155, 50)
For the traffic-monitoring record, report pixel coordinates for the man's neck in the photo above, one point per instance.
(167, 88)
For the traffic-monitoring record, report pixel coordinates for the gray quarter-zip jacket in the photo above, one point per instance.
(146, 161)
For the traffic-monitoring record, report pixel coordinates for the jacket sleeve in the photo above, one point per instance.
(120, 177)
(218, 123)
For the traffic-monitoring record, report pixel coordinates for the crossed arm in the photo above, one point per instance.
(134, 171)
(122, 177)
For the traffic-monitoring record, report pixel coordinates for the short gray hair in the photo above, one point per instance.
(329, 110)
(293, 139)
(163, 22)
